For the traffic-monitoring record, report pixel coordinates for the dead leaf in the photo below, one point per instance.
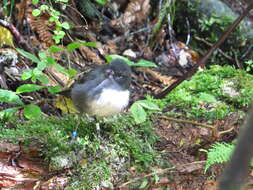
(6, 37)
(42, 27)
(164, 79)
(135, 13)
(88, 54)
(65, 105)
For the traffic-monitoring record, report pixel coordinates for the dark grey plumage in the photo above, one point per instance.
(103, 91)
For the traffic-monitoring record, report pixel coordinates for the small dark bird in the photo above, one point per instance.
(103, 91)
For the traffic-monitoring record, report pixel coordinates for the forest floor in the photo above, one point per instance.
(162, 152)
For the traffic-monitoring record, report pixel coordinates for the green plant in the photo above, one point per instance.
(102, 2)
(95, 158)
(212, 93)
(55, 17)
(141, 62)
(219, 152)
(8, 6)
(139, 110)
(249, 66)
(36, 75)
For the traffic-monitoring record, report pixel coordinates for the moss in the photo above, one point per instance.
(96, 156)
(206, 94)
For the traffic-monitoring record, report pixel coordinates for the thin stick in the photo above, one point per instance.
(159, 171)
(187, 121)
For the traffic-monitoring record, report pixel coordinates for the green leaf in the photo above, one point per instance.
(65, 25)
(41, 65)
(9, 97)
(28, 55)
(156, 178)
(145, 63)
(71, 72)
(89, 44)
(73, 46)
(142, 62)
(36, 12)
(9, 112)
(52, 19)
(50, 60)
(138, 113)
(27, 74)
(43, 79)
(54, 89)
(144, 183)
(36, 72)
(28, 88)
(32, 111)
(109, 58)
(35, 2)
(42, 55)
(44, 7)
(207, 97)
(148, 105)
(55, 49)
(60, 68)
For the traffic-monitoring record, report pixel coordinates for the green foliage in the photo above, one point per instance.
(74, 45)
(7, 7)
(102, 2)
(212, 93)
(218, 153)
(120, 145)
(209, 28)
(249, 65)
(138, 110)
(36, 74)
(141, 62)
(30, 111)
(9, 97)
(214, 24)
(55, 16)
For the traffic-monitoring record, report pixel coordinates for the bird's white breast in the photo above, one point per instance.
(110, 101)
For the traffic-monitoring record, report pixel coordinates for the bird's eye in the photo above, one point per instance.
(109, 72)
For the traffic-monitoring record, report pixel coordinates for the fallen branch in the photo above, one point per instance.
(159, 171)
(187, 121)
(19, 38)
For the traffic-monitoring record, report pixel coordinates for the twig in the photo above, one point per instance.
(218, 49)
(226, 131)
(166, 8)
(186, 121)
(19, 38)
(159, 171)
(188, 32)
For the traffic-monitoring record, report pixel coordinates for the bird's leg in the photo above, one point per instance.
(98, 129)
(74, 132)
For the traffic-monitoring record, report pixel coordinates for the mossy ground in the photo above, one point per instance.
(96, 156)
(211, 94)
(104, 157)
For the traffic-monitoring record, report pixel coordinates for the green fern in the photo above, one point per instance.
(218, 153)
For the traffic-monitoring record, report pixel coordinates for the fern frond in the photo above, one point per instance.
(218, 153)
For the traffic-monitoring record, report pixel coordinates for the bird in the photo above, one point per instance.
(103, 91)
